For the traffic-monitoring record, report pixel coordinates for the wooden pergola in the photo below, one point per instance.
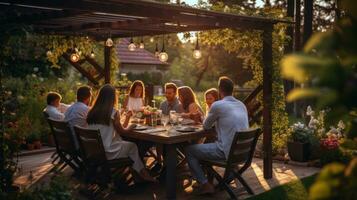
(96, 18)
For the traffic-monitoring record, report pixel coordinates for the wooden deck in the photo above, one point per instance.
(35, 170)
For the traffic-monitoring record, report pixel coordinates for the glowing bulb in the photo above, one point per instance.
(109, 42)
(197, 54)
(152, 39)
(92, 55)
(141, 45)
(163, 57)
(49, 53)
(74, 57)
(131, 47)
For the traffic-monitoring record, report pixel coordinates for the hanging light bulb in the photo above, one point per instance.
(152, 39)
(92, 55)
(157, 50)
(163, 56)
(197, 52)
(132, 45)
(109, 42)
(142, 45)
(74, 57)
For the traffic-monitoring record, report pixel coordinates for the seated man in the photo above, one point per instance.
(76, 114)
(229, 116)
(171, 103)
(54, 105)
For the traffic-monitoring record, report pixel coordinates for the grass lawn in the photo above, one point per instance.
(296, 190)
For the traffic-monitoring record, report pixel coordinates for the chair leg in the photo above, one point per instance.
(245, 185)
(222, 183)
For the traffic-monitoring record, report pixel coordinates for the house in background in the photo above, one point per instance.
(138, 61)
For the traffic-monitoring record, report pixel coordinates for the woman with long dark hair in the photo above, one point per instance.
(136, 97)
(189, 103)
(104, 117)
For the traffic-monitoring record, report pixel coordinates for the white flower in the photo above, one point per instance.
(341, 125)
(34, 75)
(35, 69)
(313, 123)
(309, 111)
(60, 79)
(41, 79)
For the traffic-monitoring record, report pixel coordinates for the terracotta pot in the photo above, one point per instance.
(37, 144)
(30, 147)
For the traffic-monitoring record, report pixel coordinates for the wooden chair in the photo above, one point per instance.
(239, 159)
(55, 155)
(65, 145)
(97, 167)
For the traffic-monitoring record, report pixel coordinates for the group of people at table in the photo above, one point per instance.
(223, 112)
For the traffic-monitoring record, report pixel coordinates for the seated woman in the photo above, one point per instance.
(211, 95)
(104, 117)
(192, 109)
(135, 99)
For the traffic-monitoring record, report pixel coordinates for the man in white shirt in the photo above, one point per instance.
(229, 116)
(54, 105)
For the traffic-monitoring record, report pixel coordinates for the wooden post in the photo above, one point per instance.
(267, 101)
(297, 31)
(289, 85)
(107, 51)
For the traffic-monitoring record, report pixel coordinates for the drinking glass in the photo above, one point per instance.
(165, 120)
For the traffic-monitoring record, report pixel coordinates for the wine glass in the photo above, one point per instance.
(165, 120)
(173, 117)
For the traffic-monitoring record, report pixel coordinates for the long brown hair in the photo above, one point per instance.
(102, 109)
(188, 96)
(133, 87)
(214, 93)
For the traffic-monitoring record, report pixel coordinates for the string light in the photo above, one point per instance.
(142, 45)
(132, 45)
(163, 56)
(109, 42)
(197, 54)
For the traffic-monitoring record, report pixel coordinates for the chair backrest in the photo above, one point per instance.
(243, 146)
(63, 136)
(254, 107)
(91, 145)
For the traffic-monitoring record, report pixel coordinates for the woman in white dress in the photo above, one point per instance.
(104, 117)
(135, 99)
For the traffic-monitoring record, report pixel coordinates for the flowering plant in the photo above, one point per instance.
(300, 133)
(330, 143)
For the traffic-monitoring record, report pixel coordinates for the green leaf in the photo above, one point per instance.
(302, 93)
(320, 41)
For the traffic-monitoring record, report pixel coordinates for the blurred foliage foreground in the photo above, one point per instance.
(327, 68)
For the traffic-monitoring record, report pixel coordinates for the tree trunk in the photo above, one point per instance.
(289, 85)
(205, 67)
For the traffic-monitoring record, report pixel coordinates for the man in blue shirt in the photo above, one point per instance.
(76, 114)
(171, 103)
(229, 116)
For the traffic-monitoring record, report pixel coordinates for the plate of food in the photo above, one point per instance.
(140, 127)
(185, 129)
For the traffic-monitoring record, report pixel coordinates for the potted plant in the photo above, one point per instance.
(33, 141)
(299, 142)
(37, 141)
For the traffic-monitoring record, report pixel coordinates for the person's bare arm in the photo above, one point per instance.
(126, 101)
(117, 125)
